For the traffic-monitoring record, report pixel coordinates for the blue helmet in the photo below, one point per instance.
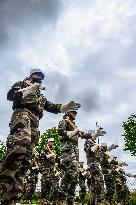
(37, 70)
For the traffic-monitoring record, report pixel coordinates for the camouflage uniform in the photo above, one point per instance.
(121, 188)
(50, 177)
(23, 137)
(108, 178)
(30, 181)
(82, 178)
(69, 162)
(94, 176)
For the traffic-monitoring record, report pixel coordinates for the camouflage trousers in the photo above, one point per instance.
(95, 183)
(30, 182)
(110, 188)
(82, 191)
(69, 172)
(23, 137)
(49, 184)
(121, 191)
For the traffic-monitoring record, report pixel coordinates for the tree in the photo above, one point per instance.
(130, 134)
(2, 150)
(50, 133)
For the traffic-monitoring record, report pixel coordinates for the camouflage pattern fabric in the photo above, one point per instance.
(50, 177)
(82, 179)
(121, 188)
(30, 181)
(69, 163)
(23, 137)
(107, 173)
(94, 176)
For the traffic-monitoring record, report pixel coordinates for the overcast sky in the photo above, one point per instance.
(87, 50)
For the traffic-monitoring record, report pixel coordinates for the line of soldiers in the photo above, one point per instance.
(60, 176)
(18, 165)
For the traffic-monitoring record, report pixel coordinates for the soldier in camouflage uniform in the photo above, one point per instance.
(28, 106)
(31, 179)
(106, 171)
(94, 176)
(121, 188)
(49, 171)
(82, 179)
(69, 156)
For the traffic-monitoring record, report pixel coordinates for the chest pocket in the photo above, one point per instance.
(36, 101)
(41, 103)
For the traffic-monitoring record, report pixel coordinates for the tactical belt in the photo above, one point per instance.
(30, 109)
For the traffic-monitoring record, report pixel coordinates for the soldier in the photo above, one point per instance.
(69, 156)
(49, 183)
(121, 188)
(28, 106)
(82, 178)
(94, 176)
(105, 166)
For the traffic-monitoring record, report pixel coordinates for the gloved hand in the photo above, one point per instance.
(98, 133)
(123, 164)
(30, 89)
(84, 173)
(50, 155)
(70, 106)
(72, 133)
(110, 159)
(129, 175)
(113, 146)
(94, 148)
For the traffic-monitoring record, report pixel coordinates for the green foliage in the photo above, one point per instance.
(50, 133)
(115, 197)
(130, 134)
(133, 198)
(36, 198)
(86, 199)
(2, 150)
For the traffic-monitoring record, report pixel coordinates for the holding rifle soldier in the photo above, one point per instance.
(50, 173)
(70, 156)
(105, 160)
(94, 176)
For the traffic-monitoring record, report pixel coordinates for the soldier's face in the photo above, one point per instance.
(73, 115)
(50, 144)
(36, 78)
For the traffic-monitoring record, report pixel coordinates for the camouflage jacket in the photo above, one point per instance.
(81, 174)
(92, 156)
(47, 163)
(104, 160)
(34, 102)
(63, 127)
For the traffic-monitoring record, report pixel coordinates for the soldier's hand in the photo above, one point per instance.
(40, 87)
(94, 148)
(123, 164)
(70, 106)
(100, 132)
(50, 156)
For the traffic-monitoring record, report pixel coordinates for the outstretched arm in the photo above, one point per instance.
(59, 108)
